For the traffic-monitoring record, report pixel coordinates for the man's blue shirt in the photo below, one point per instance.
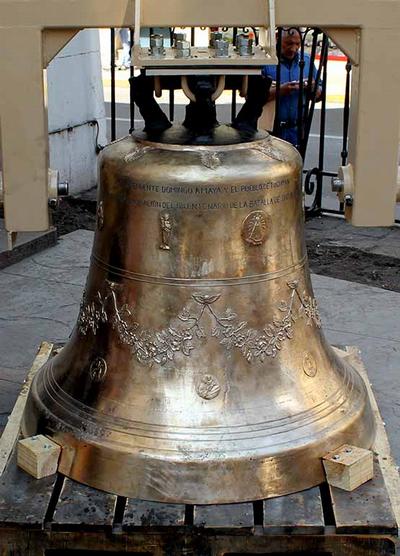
(288, 105)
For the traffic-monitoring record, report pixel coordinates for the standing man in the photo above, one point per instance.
(290, 84)
(124, 34)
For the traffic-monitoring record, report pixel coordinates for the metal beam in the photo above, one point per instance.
(374, 128)
(118, 13)
(348, 40)
(23, 127)
(54, 40)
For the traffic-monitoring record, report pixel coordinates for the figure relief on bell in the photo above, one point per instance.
(166, 230)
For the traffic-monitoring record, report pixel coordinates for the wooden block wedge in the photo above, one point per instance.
(349, 467)
(38, 456)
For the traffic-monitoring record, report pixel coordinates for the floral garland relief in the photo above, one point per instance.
(151, 346)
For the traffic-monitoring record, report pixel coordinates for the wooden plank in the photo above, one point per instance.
(365, 510)
(23, 499)
(373, 507)
(140, 513)
(83, 507)
(224, 515)
(11, 431)
(381, 445)
(295, 513)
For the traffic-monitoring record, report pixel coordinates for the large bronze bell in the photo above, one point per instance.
(197, 371)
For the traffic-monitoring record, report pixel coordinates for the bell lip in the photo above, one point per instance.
(243, 480)
(248, 476)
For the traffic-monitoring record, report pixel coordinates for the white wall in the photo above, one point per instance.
(75, 98)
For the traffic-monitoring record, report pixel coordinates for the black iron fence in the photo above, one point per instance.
(315, 47)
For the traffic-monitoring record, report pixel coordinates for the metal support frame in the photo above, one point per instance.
(32, 31)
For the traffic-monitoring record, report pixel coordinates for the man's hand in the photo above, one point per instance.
(287, 88)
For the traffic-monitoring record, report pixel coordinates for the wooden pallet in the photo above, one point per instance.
(57, 516)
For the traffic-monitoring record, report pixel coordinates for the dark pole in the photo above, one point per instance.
(131, 103)
(277, 122)
(320, 177)
(346, 114)
(310, 115)
(113, 115)
(171, 104)
(300, 104)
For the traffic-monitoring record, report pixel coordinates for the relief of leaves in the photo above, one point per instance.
(161, 346)
(91, 316)
(185, 315)
(200, 333)
(232, 335)
(228, 315)
(309, 307)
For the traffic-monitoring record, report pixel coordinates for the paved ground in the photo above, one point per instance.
(40, 300)
(331, 231)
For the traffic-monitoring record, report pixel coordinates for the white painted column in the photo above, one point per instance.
(75, 104)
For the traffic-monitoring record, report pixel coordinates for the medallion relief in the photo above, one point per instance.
(210, 160)
(309, 365)
(208, 387)
(98, 369)
(255, 228)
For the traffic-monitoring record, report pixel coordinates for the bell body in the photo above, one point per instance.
(197, 371)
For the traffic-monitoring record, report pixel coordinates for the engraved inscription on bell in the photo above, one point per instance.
(255, 228)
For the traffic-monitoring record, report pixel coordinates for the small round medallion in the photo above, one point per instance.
(208, 387)
(98, 369)
(309, 365)
(100, 215)
(255, 228)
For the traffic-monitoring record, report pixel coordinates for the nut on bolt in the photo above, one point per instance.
(62, 191)
(348, 200)
(337, 185)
